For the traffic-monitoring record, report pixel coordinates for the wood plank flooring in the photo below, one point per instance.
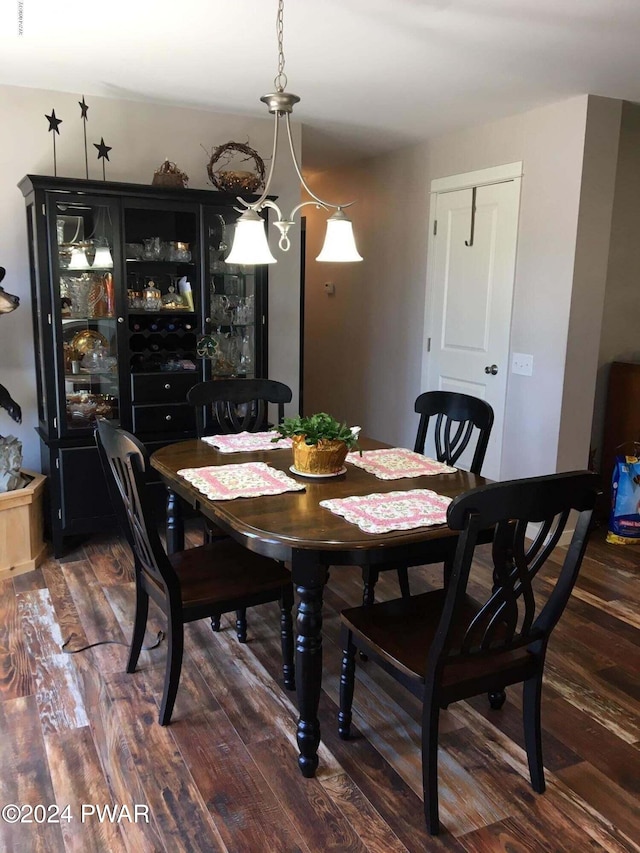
(76, 729)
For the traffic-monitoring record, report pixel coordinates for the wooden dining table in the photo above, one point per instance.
(294, 528)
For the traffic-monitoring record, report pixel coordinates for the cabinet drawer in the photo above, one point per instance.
(168, 388)
(171, 418)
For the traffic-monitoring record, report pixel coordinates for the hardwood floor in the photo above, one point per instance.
(76, 729)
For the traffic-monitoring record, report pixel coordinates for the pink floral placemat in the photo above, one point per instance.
(381, 513)
(394, 463)
(247, 480)
(247, 441)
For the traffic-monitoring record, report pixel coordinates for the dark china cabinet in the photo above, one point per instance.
(133, 303)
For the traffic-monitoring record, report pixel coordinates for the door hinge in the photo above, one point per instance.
(60, 514)
(58, 463)
(264, 319)
(55, 423)
(49, 319)
(43, 210)
(435, 227)
(428, 344)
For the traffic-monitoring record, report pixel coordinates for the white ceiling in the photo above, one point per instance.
(372, 74)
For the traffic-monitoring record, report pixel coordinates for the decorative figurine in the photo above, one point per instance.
(10, 447)
(53, 126)
(103, 154)
(84, 109)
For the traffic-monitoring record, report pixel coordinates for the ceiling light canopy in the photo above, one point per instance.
(250, 245)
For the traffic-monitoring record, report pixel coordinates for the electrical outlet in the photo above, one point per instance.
(522, 363)
(329, 288)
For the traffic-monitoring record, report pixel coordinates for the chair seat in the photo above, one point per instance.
(224, 571)
(402, 630)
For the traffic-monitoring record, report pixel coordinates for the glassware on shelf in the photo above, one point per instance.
(246, 353)
(153, 249)
(220, 309)
(179, 252)
(79, 295)
(96, 301)
(243, 315)
(151, 297)
(98, 297)
(134, 298)
(173, 299)
(65, 297)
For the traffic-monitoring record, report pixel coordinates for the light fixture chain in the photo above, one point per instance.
(281, 79)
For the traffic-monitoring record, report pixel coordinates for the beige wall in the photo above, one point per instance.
(378, 344)
(142, 135)
(589, 281)
(620, 338)
(361, 353)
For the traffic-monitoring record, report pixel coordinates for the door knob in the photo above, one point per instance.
(492, 369)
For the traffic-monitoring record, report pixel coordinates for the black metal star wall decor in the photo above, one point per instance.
(84, 109)
(53, 126)
(103, 154)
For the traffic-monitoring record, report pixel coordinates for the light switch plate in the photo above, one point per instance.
(522, 363)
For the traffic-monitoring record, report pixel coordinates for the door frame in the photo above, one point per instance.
(453, 183)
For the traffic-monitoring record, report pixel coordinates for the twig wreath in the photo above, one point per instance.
(235, 181)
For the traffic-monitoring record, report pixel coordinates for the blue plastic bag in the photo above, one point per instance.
(624, 520)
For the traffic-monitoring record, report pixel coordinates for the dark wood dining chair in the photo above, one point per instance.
(225, 406)
(236, 405)
(458, 421)
(201, 582)
(448, 645)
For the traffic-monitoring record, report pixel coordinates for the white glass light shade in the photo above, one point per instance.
(103, 259)
(78, 259)
(250, 245)
(339, 242)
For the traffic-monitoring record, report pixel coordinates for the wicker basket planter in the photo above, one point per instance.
(325, 457)
(22, 547)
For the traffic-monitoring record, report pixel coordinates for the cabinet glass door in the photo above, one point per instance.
(235, 308)
(162, 288)
(85, 310)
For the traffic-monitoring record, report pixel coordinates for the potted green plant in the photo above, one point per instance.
(320, 442)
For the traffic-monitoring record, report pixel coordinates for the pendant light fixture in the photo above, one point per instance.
(250, 245)
(79, 260)
(103, 258)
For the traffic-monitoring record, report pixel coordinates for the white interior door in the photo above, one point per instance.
(471, 293)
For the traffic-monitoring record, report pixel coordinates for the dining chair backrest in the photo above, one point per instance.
(236, 405)
(456, 416)
(488, 627)
(127, 460)
(516, 613)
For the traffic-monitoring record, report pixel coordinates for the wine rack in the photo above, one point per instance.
(159, 343)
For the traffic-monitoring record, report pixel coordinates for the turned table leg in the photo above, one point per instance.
(309, 669)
